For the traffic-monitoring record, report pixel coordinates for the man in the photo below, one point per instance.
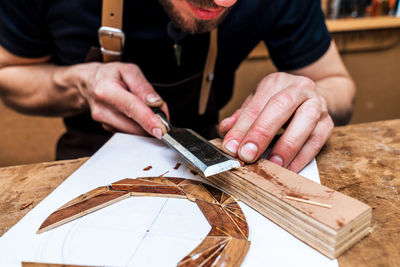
(44, 45)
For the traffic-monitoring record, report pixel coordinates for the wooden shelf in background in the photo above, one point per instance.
(346, 26)
(362, 24)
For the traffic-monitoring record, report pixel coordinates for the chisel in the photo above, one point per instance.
(206, 158)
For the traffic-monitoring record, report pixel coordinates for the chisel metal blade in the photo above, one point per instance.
(206, 158)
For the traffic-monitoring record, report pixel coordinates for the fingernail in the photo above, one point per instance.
(277, 160)
(157, 132)
(248, 152)
(232, 146)
(153, 98)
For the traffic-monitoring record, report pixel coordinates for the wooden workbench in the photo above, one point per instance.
(362, 161)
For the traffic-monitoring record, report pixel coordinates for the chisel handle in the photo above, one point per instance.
(163, 118)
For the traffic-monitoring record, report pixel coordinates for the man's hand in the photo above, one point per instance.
(279, 98)
(117, 94)
(119, 97)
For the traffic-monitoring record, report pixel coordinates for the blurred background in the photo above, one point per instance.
(367, 33)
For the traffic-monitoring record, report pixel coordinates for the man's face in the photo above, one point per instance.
(197, 16)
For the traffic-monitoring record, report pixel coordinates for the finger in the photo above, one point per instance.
(275, 113)
(228, 123)
(300, 128)
(314, 144)
(153, 101)
(137, 83)
(237, 128)
(131, 78)
(108, 128)
(114, 121)
(130, 105)
(164, 108)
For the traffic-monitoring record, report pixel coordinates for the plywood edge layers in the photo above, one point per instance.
(350, 227)
(312, 236)
(276, 205)
(323, 238)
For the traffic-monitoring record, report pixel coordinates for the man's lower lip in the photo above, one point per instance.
(206, 13)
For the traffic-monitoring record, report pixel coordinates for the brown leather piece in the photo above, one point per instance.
(208, 70)
(112, 13)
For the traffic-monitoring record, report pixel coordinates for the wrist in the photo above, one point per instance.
(76, 79)
(338, 94)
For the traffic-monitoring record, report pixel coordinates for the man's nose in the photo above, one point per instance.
(225, 3)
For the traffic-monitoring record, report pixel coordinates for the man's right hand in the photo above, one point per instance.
(119, 97)
(117, 94)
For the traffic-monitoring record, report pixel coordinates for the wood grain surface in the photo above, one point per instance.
(24, 184)
(363, 161)
(360, 160)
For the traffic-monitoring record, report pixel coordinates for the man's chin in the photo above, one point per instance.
(199, 26)
(192, 25)
(202, 26)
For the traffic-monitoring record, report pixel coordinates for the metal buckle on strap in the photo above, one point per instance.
(110, 32)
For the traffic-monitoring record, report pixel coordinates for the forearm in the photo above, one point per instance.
(117, 95)
(333, 83)
(339, 93)
(44, 89)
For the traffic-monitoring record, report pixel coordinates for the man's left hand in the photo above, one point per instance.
(278, 99)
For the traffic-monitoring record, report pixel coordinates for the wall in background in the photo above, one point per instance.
(377, 76)
(375, 70)
(27, 139)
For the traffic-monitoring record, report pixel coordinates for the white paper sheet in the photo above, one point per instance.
(140, 231)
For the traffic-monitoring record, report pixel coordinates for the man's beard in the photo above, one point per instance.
(197, 25)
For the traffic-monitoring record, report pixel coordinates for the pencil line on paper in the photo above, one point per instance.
(145, 235)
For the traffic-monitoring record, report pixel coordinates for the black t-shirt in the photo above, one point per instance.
(293, 30)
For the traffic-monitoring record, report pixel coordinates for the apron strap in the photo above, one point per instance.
(111, 36)
(112, 40)
(208, 73)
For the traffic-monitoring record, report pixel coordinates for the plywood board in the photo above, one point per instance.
(325, 219)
